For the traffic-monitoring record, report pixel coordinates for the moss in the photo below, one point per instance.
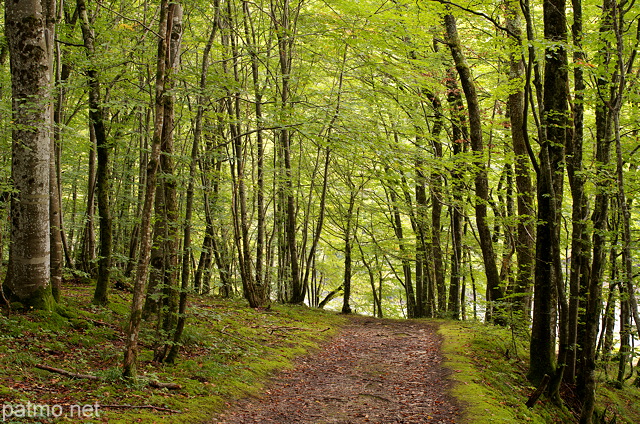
(621, 403)
(229, 351)
(7, 392)
(489, 374)
(41, 299)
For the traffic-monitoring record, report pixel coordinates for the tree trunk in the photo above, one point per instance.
(29, 29)
(526, 212)
(579, 236)
(168, 315)
(348, 246)
(254, 292)
(55, 214)
(325, 177)
(606, 108)
(285, 17)
(456, 209)
(480, 180)
(396, 221)
(548, 272)
(250, 35)
(96, 119)
(437, 185)
(186, 243)
(197, 136)
(135, 318)
(88, 241)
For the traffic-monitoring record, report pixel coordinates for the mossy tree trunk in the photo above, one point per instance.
(135, 317)
(29, 28)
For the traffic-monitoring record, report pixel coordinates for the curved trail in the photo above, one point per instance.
(374, 371)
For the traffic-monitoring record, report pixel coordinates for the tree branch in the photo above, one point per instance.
(481, 14)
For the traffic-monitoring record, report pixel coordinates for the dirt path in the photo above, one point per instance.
(375, 371)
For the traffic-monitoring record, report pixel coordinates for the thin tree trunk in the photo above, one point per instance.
(250, 35)
(525, 229)
(325, 179)
(284, 17)
(197, 136)
(55, 215)
(607, 114)
(460, 139)
(59, 247)
(481, 180)
(135, 318)
(348, 245)
(579, 236)
(396, 221)
(88, 242)
(96, 119)
(437, 184)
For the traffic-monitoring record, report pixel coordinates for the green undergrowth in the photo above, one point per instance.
(229, 350)
(489, 365)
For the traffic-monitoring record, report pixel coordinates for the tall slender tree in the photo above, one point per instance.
(135, 317)
(549, 293)
(494, 289)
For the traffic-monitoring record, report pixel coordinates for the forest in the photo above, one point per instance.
(468, 160)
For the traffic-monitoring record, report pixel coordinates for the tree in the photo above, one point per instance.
(481, 182)
(525, 229)
(285, 18)
(29, 28)
(549, 292)
(135, 317)
(96, 121)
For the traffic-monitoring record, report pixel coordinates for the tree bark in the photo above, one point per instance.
(285, 17)
(396, 221)
(348, 247)
(593, 288)
(481, 181)
(579, 235)
(460, 137)
(525, 229)
(135, 317)
(549, 292)
(186, 243)
(29, 29)
(96, 119)
(437, 186)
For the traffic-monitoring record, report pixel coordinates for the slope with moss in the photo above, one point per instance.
(489, 364)
(229, 350)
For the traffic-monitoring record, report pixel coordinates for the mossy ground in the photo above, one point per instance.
(489, 366)
(228, 351)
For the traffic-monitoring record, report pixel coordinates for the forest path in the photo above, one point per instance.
(374, 371)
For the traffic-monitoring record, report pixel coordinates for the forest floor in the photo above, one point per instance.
(283, 364)
(375, 370)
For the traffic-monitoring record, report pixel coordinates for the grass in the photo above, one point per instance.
(489, 366)
(229, 351)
